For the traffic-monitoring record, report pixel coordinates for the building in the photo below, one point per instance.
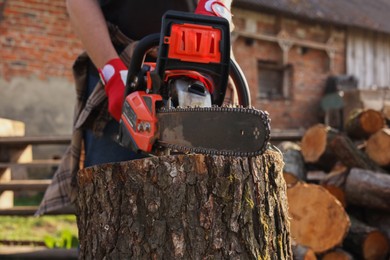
(288, 49)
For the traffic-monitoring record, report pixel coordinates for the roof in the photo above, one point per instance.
(365, 14)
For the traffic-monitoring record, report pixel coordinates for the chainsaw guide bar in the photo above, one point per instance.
(228, 131)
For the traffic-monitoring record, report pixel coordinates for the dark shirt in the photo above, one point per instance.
(138, 18)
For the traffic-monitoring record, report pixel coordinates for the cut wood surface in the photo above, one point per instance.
(366, 242)
(185, 207)
(378, 147)
(294, 169)
(314, 213)
(363, 123)
(314, 146)
(337, 254)
(368, 189)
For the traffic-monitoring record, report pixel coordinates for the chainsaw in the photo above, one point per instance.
(175, 103)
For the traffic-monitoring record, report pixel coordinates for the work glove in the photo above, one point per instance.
(215, 8)
(114, 76)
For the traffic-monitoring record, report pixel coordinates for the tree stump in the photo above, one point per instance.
(184, 207)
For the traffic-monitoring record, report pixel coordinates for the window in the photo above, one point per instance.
(273, 80)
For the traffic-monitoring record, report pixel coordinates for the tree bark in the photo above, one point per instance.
(185, 207)
(368, 189)
(318, 220)
(363, 123)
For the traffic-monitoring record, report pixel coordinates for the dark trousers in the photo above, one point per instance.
(104, 149)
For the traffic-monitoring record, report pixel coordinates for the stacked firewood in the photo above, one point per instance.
(339, 189)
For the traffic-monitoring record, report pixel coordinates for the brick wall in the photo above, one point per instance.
(310, 69)
(36, 39)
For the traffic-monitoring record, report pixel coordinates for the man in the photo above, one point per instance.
(135, 19)
(107, 30)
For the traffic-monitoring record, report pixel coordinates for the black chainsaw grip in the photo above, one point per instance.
(137, 59)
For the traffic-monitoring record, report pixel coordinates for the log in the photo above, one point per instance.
(334, 182)
(337, 254)
(368, 189)
(315, 149)
(362, 123)
(184, 207)
(366, 242)
(347, 153)
(294, 169)
(379, 220)
(386, 113)
(314, 212)
(302, 252)
(324, 147)
(378, 147)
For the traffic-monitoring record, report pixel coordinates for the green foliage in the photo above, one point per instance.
(37, 228)
(65, 240)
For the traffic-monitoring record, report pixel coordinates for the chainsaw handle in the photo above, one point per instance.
(240, 83)
(137, 60)
(153, 40)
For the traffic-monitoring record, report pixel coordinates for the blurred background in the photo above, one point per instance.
(306, 62)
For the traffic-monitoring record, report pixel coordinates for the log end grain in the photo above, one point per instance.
(375, 246)
(337, 254)
(313, 142)
(314, 212)
(378, 147)
(372, 121)
(363, 123)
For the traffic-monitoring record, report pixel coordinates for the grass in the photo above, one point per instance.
(36, 228)
(54, 230)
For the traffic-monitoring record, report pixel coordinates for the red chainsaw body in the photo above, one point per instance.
(190, 46)
(140, 119)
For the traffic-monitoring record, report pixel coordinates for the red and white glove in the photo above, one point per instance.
(215, 8)
(114, 76)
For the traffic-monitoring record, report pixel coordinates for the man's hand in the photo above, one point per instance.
(114, 76)
(220, 8)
